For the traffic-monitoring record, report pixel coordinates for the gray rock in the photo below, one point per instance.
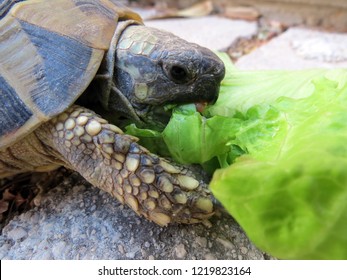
(17, 233)
(82, 222)
(180, 251)
(216, 33)
(299, 48)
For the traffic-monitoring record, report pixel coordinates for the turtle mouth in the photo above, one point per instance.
(155, 116)
(158, 116)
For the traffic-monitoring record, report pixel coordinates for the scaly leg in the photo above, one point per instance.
(153, 187)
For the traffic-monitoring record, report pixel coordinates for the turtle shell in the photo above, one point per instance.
(50, 51)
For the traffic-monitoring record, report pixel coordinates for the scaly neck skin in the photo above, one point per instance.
(109, 95)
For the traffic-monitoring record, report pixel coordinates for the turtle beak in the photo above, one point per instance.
(209, 84)
(212, 74)
(219, 75)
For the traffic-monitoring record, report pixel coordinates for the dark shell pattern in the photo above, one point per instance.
(50, 51)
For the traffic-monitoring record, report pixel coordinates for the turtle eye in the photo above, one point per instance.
(177, 73)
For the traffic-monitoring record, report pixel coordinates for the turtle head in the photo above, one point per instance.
(154, 68)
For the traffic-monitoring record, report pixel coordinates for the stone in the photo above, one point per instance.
(17, 233)
(213, 32)
(105, 229)
(180, 251)
(299, 48)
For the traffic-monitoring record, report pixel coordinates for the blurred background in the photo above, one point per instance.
(330, 14)
(258, 34)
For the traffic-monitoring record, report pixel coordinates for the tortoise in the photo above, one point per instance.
(67, 67)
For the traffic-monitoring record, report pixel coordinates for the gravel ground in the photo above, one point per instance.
(78, 221)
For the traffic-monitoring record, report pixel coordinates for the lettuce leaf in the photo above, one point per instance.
(192, 138)
(280, 138)
(294, 203)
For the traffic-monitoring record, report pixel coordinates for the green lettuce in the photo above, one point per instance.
(289, 192)
(276, 143)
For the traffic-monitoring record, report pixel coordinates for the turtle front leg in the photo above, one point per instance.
(153, 187)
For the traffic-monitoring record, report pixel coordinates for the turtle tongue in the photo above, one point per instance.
(200, 106)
